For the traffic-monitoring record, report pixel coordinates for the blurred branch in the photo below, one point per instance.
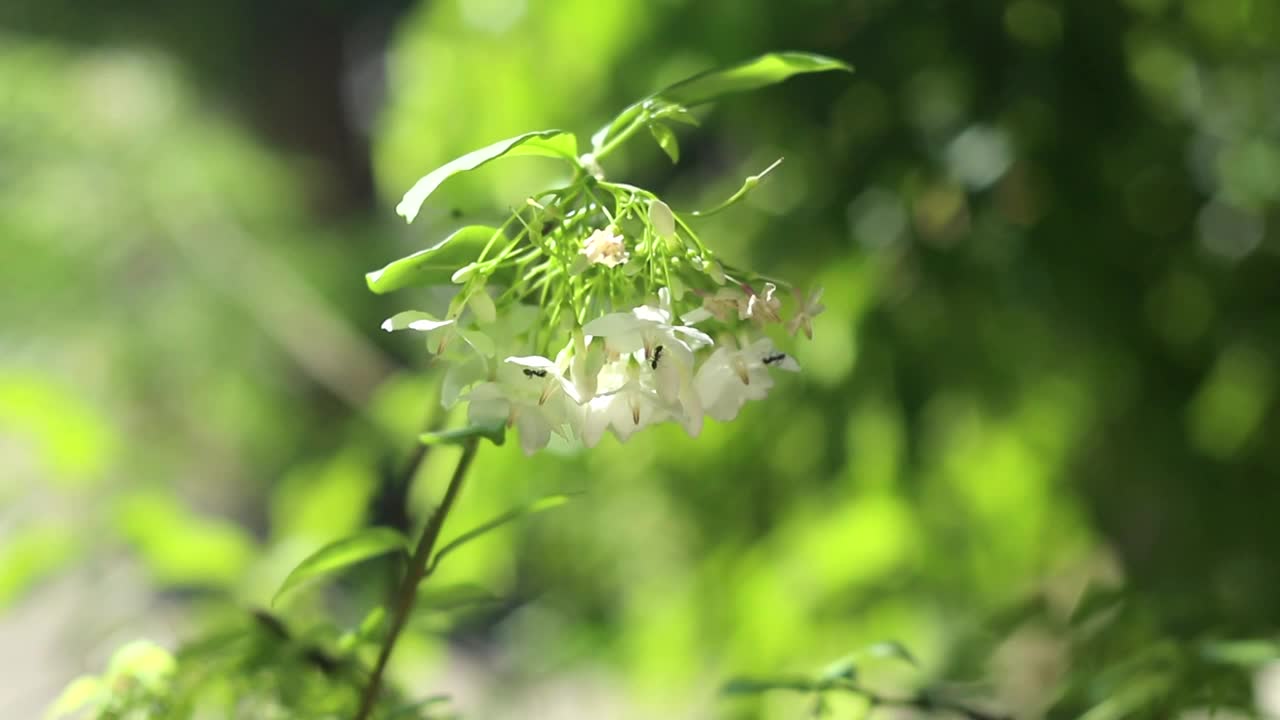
(301, 321)
(417, 571)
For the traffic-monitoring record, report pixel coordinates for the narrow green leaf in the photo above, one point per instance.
(677, 113)
(892, 650)
(1243, 653)
(435, 265)
(846, 668)
(373, 623)
(368, 543)
(747, 186)
(761, 72)
(707, 86)
(753, 686)
(412, 710)
(497, 434)
(546, 503)
(666, 140)
(1095, 600)
(545, 143)
(453, 597)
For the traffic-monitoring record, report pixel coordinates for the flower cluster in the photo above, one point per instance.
(579, 360)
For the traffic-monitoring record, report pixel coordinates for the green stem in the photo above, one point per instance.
(641, 118)
(414, 576)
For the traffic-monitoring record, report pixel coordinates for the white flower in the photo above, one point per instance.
(603, 247)
(731, 377)
(723, 304)
(663, 349)
(584, 362)
(529, 393)
(761, 308)
(808, 310)
(624, 402)
(440, 333)
(645, 328)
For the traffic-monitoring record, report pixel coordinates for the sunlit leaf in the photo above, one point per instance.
(761, 72)
(497, 434)
(546, 503)
(1245, 653)
(546, 143)
(434, 265)
(82, 692)
(666, 140)
(368, 543)
(712, 84)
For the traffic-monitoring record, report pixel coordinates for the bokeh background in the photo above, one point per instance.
(1047, 233)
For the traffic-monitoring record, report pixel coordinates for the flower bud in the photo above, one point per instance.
(660, 216)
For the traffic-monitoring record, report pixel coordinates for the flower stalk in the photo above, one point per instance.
(418, 570)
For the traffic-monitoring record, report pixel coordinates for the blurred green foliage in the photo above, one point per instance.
(1047, 234)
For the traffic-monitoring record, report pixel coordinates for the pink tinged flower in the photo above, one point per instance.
(762, 308)
(731, 377)
(604, 247)
(724, 304)
(806, 312)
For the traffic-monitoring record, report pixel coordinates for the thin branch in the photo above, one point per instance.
(414, 575)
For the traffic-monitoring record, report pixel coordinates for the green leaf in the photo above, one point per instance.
(546, 503)
(1095, 601)
(678, 113)
(368, 543)
(453, 597)
(1243, 653)
(846, 668)
(412, 710)
(892, 650)
(712, 84)
(747, 186)
(545, 143)
(435, 265)
(754, 686)
(761, 72)
(82, 692)
(495, 433)
(666, 140)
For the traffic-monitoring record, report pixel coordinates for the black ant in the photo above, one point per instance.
(771, 359)
(530, 372)
(657, 355)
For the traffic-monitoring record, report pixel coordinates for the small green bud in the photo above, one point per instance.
(463, 273)
(660, 216)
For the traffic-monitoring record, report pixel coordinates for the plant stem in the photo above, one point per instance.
(621, 137)
(414, 575)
